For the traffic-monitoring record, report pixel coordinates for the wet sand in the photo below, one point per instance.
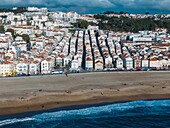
(27, 94)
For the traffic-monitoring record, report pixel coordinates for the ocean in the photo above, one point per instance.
(135, 114)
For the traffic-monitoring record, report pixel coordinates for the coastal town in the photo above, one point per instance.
(42, 42)
(84, 64)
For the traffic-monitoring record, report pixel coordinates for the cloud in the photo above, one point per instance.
(91, 5)
(86, 3)
(81, 6)
(55, 3)
(144, 4)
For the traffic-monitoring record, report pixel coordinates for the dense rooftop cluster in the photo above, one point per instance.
(43, 42)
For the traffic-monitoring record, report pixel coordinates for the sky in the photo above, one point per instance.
(94, 6)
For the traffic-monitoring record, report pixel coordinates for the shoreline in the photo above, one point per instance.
(44, 94)
(65, 108)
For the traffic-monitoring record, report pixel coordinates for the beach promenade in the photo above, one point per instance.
(26, 94)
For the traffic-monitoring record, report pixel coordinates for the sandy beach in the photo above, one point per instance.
(27, 94)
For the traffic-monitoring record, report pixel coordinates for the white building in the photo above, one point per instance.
(74, 65)
(154, 63)
(66, 61)
(142, 39)
(93, 27)
(46, 66)
(32, 9)
(89, 63)
(22, 68)
(34, 68)
(108, 62)
(59, 61)
(164, 64)
(6, 68)
(119, 64)
(145, 64)
(137, 64)
(129, 63)
(98, 65)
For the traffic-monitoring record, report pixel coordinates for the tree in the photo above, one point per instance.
(122, 12)
(82, 24)
(110, 12)
(15, 19)
(4, 16)
(11, 31)
(2, 29)
(131, 24)
(26, 37)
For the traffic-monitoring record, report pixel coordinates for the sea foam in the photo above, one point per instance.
(129, 111)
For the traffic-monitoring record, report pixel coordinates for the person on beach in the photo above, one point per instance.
(131, 69)
(66, 72)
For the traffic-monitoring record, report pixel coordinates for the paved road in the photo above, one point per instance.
(37, 76)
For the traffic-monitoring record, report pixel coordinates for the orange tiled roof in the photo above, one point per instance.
(7, 62)
(36, 62)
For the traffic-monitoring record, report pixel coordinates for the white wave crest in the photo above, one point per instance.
(114, 108)
(118, 109)
(13, 121)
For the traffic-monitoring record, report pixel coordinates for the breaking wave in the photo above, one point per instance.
(141, 114)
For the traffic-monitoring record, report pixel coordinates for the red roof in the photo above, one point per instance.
(7, 62)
